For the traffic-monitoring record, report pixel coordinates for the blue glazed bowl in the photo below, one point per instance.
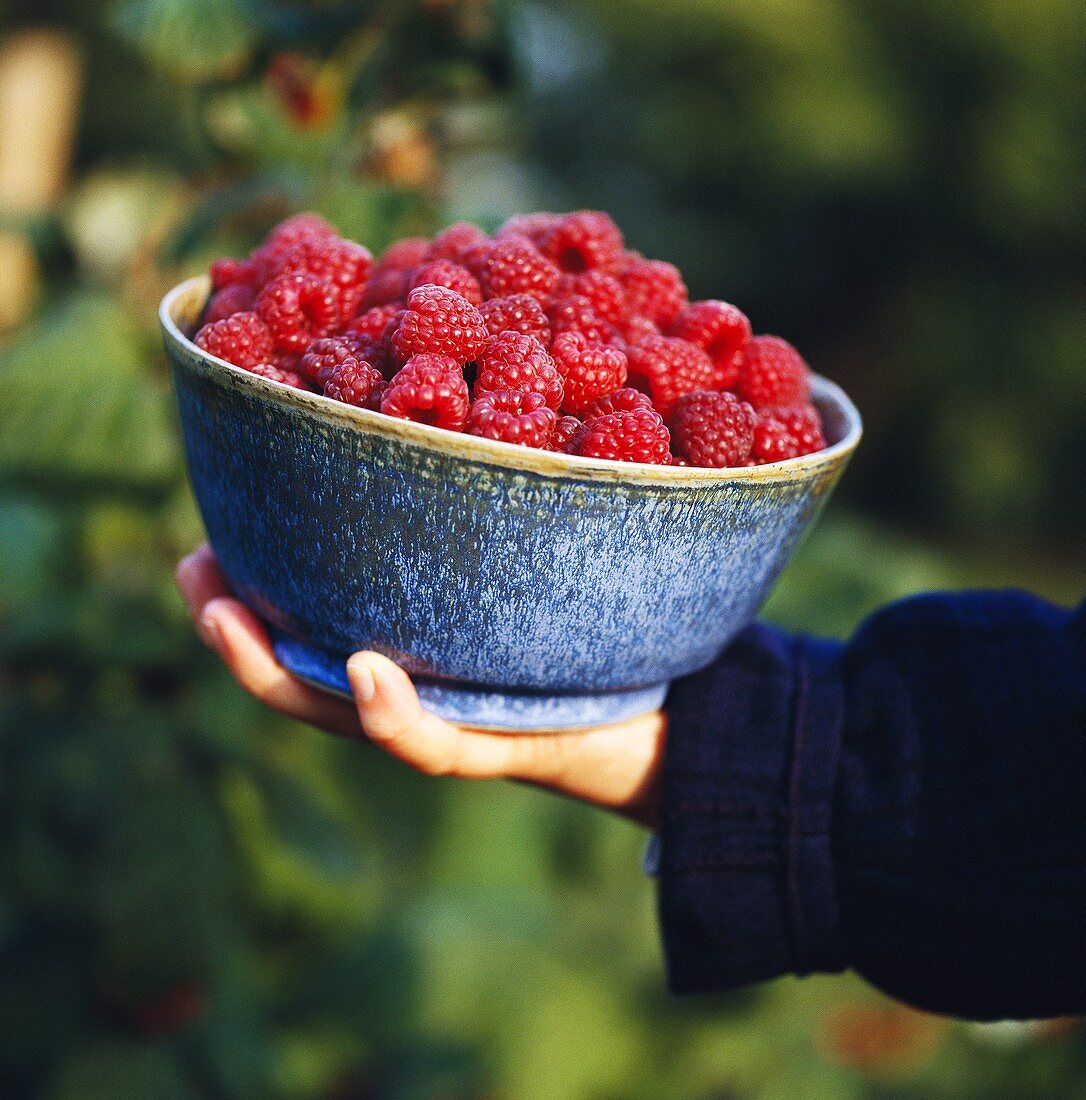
(523, 589)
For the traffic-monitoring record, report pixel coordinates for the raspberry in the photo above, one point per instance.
(373, 322)
(513, 417)
(666, 368)
(514, 362)
(243, 340)
(605, 292)
(535, 227)
(326, 355)
(513, 265)
(722, 331)
(448, 274)
(518, 313)
(713, 429)
(440, 322)
(787, 433)
(233, 298)
(771, 373)
(584, 240)
(564, 431)
(588, 370)
(458, 242)
(353, 382)
(385, 357)
(577, 314)
(624, 400)
(373, 402)
(654, 289)
(637, 329)
(637, 436)
(404, 254)
(342, 264)
(384, 287)
(229, 272)
(430, 389)
(298, 228)
(277, 374)
(298, 309)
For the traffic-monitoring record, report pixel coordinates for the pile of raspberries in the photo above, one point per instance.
(550, 334)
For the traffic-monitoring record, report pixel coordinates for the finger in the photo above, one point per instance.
(200, 580)
(393, 717)
(238, 636)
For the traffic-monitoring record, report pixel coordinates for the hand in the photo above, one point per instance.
(615, 766)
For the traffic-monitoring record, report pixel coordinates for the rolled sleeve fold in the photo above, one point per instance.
(746, 875)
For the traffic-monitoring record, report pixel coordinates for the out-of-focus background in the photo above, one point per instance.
(200, 900)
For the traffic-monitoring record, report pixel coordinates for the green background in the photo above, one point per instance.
(198, 899)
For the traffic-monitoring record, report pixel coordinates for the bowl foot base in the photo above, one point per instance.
(513, 711)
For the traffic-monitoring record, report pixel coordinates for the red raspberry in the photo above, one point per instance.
(373, 403)
(654, 289)
(439, 321)
(577, 314)
(386, 358)
(535, 227)
(404, 254)
(373, 322)
(234, 298)
(584, 240)
(326, 355)
(277, 374)
(518, 313)
(588, 370)
(459, 242)
(430, 389)
(805, 423)
(297, 228)
(283, 238)
(243, 340)
(342, 264)
(713, 429)
(564, 431)
(515, 362)
(637, 436)
(513, 417)
(229, 272)
(513, 265)
(352, 381)
(605, 292)
(624, 400)
(722, 331)
(384, 287)
(787, 433)
(448, 274)
(298, 309)
(637, 329)
(666, 368)
(772, 373)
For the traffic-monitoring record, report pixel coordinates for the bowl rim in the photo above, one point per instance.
(494, 452)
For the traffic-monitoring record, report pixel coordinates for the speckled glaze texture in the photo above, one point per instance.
(527, 590)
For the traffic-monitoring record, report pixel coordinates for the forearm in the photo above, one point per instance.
(912, 805)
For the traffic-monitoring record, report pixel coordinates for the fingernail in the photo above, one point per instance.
(211, 632)
(362, 681)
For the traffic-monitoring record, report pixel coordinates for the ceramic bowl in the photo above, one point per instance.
(523, 589)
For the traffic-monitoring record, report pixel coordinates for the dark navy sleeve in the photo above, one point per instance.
(911, 805)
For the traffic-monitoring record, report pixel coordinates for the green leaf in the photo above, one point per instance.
(193, 40)
(78, 403)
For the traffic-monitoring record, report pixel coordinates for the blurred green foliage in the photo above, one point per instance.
(200, 900)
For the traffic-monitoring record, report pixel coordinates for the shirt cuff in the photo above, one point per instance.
(745, 871)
